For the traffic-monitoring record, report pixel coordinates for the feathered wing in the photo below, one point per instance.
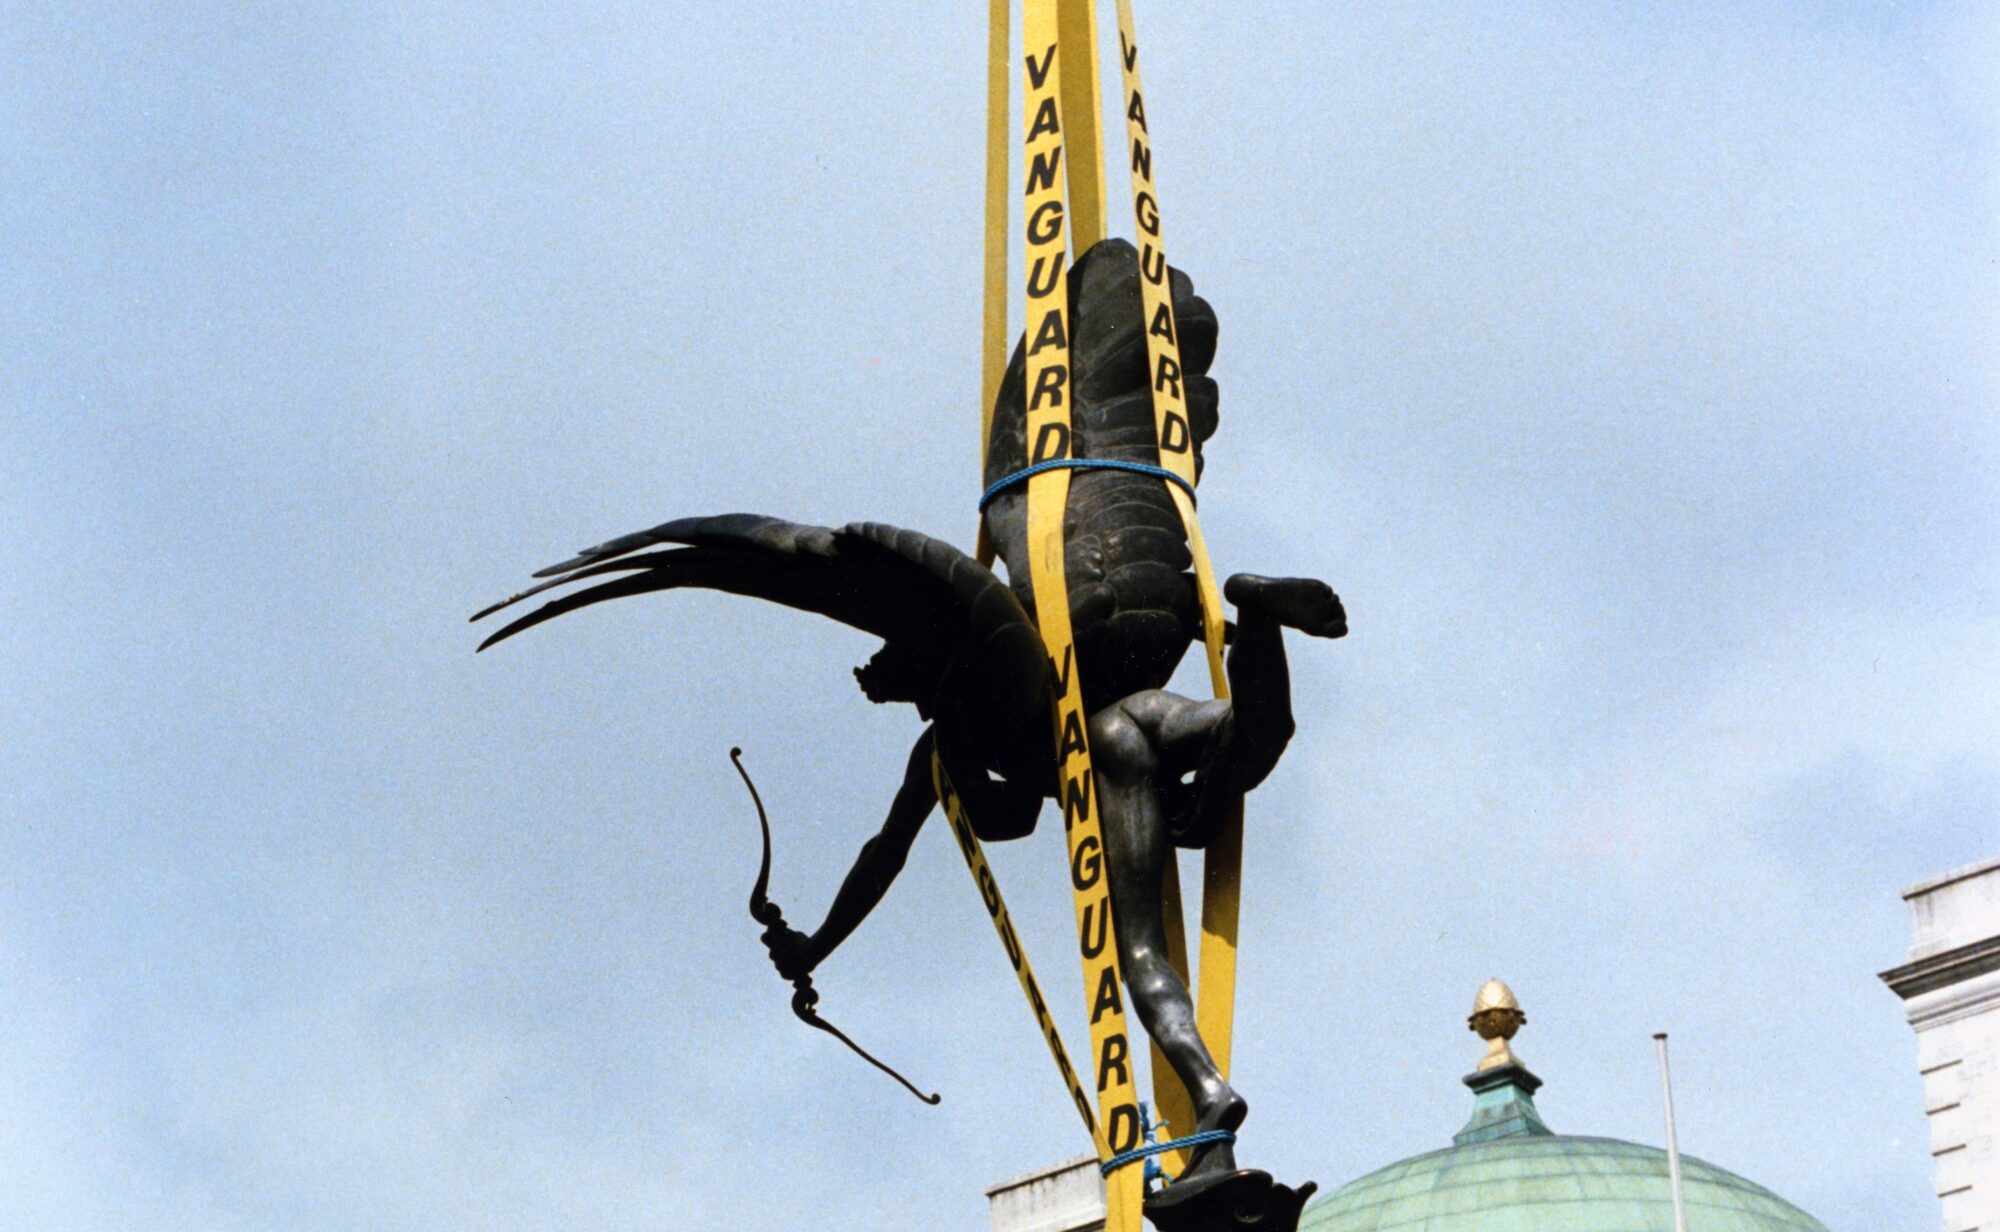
(1110, 365)
(929, 603)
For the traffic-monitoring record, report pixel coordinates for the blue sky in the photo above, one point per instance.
(1630, 370)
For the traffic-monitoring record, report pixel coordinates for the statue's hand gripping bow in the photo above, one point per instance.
(805, 998)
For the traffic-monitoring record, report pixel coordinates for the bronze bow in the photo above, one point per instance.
(804, 996)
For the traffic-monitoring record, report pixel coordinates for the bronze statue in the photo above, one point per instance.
(962, 647)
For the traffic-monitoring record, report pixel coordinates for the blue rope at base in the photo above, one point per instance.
(1081, 464)
(1138, 1153)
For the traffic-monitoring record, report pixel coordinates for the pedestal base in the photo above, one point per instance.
(1240, 1201)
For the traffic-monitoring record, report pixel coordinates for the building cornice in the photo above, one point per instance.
(1962, 873)
(1943, 970)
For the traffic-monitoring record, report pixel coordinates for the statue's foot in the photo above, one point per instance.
(1306, 604)
(1224, 1112)
(1245, 1200)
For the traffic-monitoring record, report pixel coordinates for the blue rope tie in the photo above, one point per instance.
(1138, 1153)
(1082, 464)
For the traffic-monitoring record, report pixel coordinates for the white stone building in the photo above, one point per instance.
(1951, 987)
(1068, 1197)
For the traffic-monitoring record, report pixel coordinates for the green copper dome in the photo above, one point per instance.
(1550, 1183)
(1507, 1172)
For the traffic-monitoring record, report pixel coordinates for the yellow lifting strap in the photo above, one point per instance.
(1083, 127)
(1050, 399)
(1061, 111)
(993, 330)
(996, 908)
(1215, 1014)
(1076, 23)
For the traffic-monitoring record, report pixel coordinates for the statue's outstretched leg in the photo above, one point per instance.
(1242, 741)
(1143, 746)
(1130, 769)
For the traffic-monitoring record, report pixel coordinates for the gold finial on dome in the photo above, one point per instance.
(1496, 1016)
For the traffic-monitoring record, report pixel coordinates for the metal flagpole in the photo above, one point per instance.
(1673, 1143)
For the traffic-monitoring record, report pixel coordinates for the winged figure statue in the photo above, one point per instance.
(960, 644)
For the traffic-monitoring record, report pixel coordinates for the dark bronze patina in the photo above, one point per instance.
(962, 647)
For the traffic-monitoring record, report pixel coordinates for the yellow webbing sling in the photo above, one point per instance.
(1215, 1014)
(1116, 1126)
(996, 907)
(993, 320)
(1076, 22)
(1061, 109)
(1050, 399)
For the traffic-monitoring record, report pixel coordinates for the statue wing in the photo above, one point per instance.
(927, 601)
